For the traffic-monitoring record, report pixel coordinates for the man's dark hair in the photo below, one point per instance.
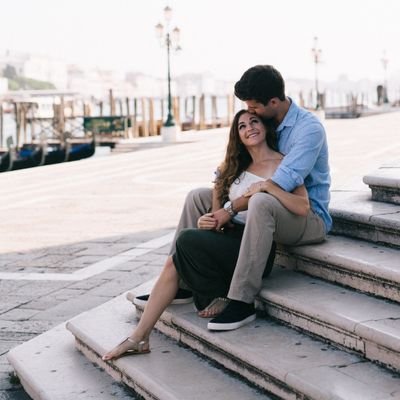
(260, 83)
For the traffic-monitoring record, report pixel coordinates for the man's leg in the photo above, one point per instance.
(268, 220)
(197, 203)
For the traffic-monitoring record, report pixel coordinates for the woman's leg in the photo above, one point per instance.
(161, 296)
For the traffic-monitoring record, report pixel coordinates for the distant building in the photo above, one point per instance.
(36, 67)
(3, 85)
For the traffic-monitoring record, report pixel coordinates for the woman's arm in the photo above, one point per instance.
(297, 201)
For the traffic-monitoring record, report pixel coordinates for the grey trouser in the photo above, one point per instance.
(267, 220)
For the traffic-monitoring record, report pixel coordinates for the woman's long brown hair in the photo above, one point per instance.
(237, 158)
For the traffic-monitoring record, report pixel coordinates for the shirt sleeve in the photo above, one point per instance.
(301, 158)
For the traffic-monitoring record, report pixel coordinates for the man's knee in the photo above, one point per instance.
(199, 196)
(263, 202)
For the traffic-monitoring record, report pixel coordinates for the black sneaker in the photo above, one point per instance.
(235, 315)
(182, 297)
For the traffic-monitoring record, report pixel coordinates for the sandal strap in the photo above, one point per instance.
(140, 345)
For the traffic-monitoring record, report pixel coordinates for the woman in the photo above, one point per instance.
(205, 257)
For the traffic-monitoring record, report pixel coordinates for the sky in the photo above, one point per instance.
(222, 37)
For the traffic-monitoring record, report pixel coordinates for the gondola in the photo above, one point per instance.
(5, 159)
(79, 149)
(56, 152)
(28, 156)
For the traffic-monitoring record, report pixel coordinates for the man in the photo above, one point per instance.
(302, 140)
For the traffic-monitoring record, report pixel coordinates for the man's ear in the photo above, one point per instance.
(274, 101)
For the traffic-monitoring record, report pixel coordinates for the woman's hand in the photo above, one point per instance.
(255, 188)
(207, 222)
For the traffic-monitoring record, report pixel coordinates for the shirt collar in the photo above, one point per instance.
(290, 117)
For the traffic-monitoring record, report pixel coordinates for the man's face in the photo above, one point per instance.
(263, 111)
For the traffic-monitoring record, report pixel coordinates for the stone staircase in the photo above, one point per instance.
(328, 326)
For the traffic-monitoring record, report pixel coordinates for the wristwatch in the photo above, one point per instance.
(228, 207)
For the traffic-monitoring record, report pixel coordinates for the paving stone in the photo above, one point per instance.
(53, 260)
(19, 314)
(129, 265)
(8, 306)
(114, 288)
(95, 249)
(82, 261)
(68, 293)
(39, 288)
(30, 326)
(5, 346)
(87, 284)
(69, 308)
(7, 287)
(43, 303)
(16, 336)
(65, 250)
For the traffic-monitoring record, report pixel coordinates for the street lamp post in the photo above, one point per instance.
(316, 53)
(169, 39)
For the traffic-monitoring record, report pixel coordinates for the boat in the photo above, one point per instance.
(28, 156)
(5, 159)
(55, 152)
(79, 149)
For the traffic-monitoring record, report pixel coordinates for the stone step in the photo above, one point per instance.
(348, 318)
(283, 361)
(370, 268)
(385, 183)
(356, 215)
(169, 372)
(50, 368)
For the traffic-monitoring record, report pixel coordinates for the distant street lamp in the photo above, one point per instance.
(169, 39)
(385, 62)
(316, 53)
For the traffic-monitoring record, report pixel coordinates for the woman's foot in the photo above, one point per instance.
(214, 308)
(128, 347)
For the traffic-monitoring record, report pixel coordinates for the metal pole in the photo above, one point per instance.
(316, 79)
(170, 119)
(1, 125)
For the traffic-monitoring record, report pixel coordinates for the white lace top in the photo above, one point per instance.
(238, 188)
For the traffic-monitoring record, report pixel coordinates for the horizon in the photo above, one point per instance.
(352, 37)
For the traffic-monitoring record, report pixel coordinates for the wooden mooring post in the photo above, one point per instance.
(214, 112)
(1, 125)
(145, 127)
(112, 102)
(202, 117)
(152, 121)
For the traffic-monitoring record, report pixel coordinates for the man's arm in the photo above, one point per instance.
(301, 158)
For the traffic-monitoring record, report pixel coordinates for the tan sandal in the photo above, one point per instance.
(136, 348)
(214, 308)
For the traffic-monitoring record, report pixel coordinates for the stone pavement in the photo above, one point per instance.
(75, 235)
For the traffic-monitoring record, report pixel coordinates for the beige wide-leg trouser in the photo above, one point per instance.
(267, 220)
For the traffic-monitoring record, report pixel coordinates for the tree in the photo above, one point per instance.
(9, 72)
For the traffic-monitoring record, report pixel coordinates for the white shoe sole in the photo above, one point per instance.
(212, 326)
(142, 303)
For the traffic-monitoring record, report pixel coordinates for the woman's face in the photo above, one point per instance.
(252, 131)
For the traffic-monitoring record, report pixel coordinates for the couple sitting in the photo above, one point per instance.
(224, 244)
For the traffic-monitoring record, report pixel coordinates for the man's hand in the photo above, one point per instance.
(255, 188)
(222, 217)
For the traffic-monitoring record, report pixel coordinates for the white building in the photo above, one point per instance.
(37, 67)
(3, 85)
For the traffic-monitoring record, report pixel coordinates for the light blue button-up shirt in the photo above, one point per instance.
(302, 140)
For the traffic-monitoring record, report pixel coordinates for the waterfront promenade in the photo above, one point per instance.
(74, 235)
